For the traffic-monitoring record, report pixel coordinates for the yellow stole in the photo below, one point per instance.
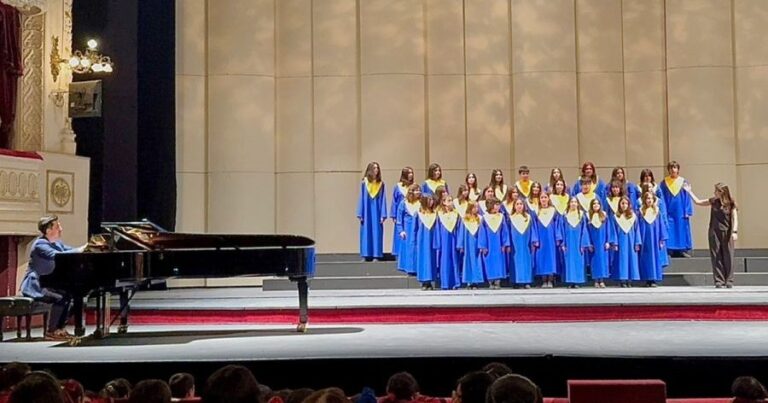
(573, 218)
(674, 185)
(433, 184)
(546, 215)
(596, 221)
(500, 191)
(412, 208)
(613, 203)
(482, 206)
(428, 219)
(494, 221)
(585, 199)
(560, 202)
(650, 215)
(402, 188)
(520, 222)
(593, 185)
(474, 195)
(533, 206)
(524, 187)
(460, 207)
(472, 225)
(510, 207)
(372, 187)
(449, 220)
(626, 223)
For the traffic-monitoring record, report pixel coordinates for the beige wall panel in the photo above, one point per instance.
(230, 28)
(645, 111)
(752, 104)
(601, 118)
(393, 120)
(599, 35)
(487, 36)
(190, 37)
(294, 125)
(643, 35)
(447, 136)
(455, 177)
(241, 203)
(750, 31)
(753, 227)
(336, 227)
(445, 37)
(294, 37)
(336, 132)
(241, 116)
(392, 36)
(489, 126)
(545, 119)
(295, 198)
(543, 35)
(334, 35)
(190, 124)
(701, 116)
(699, 33)
(190, 206)
(703, 179)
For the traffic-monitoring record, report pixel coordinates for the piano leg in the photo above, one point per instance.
(124, 311)
(77, 307)
(303, 304)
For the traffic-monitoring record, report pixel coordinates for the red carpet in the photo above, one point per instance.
(454, 315)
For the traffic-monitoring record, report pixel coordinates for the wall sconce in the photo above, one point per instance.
(90, 61)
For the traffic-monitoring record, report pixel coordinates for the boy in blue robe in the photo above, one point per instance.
(679, 211)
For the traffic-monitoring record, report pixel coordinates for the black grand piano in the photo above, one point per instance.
(134, 255)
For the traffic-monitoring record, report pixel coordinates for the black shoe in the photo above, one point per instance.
(718, 286)
(729, 285)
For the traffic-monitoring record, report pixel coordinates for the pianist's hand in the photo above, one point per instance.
(82, 248)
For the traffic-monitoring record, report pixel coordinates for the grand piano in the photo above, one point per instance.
(134, 255)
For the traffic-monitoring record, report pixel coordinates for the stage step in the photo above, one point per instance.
(346, 283)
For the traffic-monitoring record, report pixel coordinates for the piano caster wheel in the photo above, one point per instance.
(301, 328)
(122, 329)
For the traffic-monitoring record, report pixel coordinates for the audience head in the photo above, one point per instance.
(232, 384)
(514, 388)
(150, 391)
(279, 396)
(497, 369)
(12, 373)
(298, 395)
(74, 390)
(472, 387)
(402, 386)
(182, 385)
(328, 395)
(116, 388)
(37, 387)
(748, 389)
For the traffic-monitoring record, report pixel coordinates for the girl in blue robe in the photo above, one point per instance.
(474, 190)
(602, 236)
(398, 195)
(575, 244)
(427, 243)
(434, 180)
(508, 202)
(653, 233)
(448, 259)
(497, 184)
(404, 226)
(679, 211)
(469, 249)
(372, 212)
(485, 196)
(550, 236)
(532, 202)
(662, 209)
(627, 246)
(461, 201)
(524, 237)
(555, 175)
(589, 173)
(619, 174)
(494, 243)
(559, 200)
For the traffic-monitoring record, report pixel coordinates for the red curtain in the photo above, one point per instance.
(10, 70)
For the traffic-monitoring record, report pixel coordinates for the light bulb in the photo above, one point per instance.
(107, 68)
(85, 63)
(92, 44)
(74, 61)
(98, 67)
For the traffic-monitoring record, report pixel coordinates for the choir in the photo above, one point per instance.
(527, 233)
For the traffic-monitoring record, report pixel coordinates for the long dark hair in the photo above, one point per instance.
(404, 176)
(369, 172)
(431, 171)
(726, 199)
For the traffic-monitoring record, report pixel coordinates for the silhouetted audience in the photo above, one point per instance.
(182, 385)
(298, 395)
(150, 391)
(327, 395)
(11, 374)
(472, 387)
(37, 387)
(514, 388)
(497, 370)
(401, 387)
(232, 384)
(73, 390)
(118, 388)
(747, 389)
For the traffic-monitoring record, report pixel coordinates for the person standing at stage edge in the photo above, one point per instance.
(723, 232)
(372, 211)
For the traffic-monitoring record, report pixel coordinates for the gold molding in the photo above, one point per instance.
(30, 137)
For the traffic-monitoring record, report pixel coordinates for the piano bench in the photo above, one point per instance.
(23, 307)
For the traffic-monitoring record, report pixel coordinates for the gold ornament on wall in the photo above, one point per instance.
(61, 191)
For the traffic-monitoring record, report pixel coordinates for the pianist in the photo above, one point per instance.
(41, 263)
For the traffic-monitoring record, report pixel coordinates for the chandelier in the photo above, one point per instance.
(90, 61)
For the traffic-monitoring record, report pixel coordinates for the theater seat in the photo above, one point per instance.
(702, 400)
(555, 400)
(617, 391)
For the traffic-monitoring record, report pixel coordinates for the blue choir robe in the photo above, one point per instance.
(494, 237)
(532, 205)
(652, 255)
(601, 233)
(550, 234)
(599, 188)
(398, 195)
(482, 210)
(524, 188)
(523, 236)
(632, 191)
(468, 245)
(679, 210)
(586, 199)
(576, 241)
(500, 191)
(429, 186)
(448, 259)
(372, 209)
(460, 207)
(406, 215)
(426, 246)
(626, 266)
(662, 207)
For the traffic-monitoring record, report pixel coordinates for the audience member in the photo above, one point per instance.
(514, 388)
(327, 395)
(472, 387)
(232, 384)
(182, 385)
(497, 369)
(747, 389)
(150, 391)
(298, 395)
(401, 387)
(11, 374)
(37, 387)
(118, 388)
(74, 390)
